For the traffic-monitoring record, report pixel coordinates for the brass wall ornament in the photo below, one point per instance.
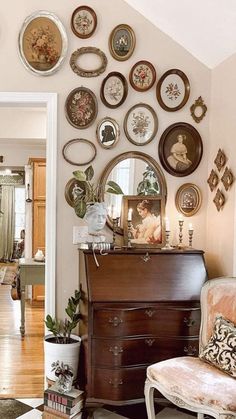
(219, 200)
(213, 180)
(227, 178)
(82, 72)
(220, 159)
(194, 109)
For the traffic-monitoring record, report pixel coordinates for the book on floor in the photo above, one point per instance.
(48, 410)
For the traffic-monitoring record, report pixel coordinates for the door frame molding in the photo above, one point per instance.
(49, 101)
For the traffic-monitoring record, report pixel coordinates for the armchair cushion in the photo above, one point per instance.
(221, 348)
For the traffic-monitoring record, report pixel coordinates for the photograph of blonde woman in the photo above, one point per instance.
(146, 223)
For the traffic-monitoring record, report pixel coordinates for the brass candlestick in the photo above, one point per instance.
(181, 222)
(115, 223)
(167, 245)
(129, 233)
(190, 238)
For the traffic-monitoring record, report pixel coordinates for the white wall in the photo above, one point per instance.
(152, 45)
(221, 228)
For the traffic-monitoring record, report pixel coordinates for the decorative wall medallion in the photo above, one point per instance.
(81, 107)
(122, 42)
(173, 90)
(188, 199)
(140, 124)
(213, 180)
(83, 21)
(108, 132)
(220, 160)
(68, 150)
(227, 178)
(42, 43)
(219, 200)
(114, 90)
(83, 72)
(198, 110)
(142, 76)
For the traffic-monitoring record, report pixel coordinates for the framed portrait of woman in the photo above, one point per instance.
(180, 149)
(143, 221)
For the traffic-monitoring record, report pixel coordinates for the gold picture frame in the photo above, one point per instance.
(219, 200)
(82, 72)
(213, 180)
(227, 178)
(220, 159)
(199, 103)
(188, 199)
(122, 42)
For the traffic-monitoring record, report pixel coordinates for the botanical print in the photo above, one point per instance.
(142, 76)
(83, 22)
(172, 91)
(114, 90)
(140, 124)
(82, 109)
(42, 43)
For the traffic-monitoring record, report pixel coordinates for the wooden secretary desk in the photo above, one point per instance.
(138, 308)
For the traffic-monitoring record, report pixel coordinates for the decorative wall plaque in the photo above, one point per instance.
(213, 180)
(220, 160)
(227, 178)
(82, 72)
(198, 109)
(219, 200)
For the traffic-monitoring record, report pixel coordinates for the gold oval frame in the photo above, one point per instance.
(179, 194)
(117, 131)
(131, 33)
(199, 103)
(82, 72)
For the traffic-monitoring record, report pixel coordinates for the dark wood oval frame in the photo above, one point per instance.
(124, 83)
(155, 118)
(78, 140)
(161, 148)
(90, 10)
(85, 89)
(185, 80)
(82, 72)
(153, 71)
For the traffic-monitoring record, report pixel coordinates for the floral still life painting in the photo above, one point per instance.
(83, 21)
(142, 76)
(42, 43)
(114, 90)
(81, 107)
(140, 124)
(173, 90)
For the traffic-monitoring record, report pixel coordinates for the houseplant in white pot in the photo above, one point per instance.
(61, 345)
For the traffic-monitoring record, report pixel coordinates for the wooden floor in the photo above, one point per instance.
(21, 359)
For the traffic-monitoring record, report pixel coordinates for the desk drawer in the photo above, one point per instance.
(148, 320)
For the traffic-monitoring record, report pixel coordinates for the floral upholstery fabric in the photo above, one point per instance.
(196, 381)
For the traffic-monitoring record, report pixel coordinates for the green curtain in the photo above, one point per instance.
(7, 222)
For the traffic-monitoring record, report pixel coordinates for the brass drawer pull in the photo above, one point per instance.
(189, 322)
(115, 321)
(150, 312)
(146, 257)
(115, 383)
(190, 350)
(116, 350)
(149, 342)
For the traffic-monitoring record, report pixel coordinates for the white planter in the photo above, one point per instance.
(66, 353)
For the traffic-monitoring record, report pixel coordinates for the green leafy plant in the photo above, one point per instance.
(87, 192)
(61, 330)
(149, 185)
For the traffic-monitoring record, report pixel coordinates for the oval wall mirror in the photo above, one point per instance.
(137, 174)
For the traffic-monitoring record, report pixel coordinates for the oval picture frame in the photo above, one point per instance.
(142, 76)
(108, 132)
(70, 191)
(141, 124)
(74, 141)
(42, 43)
(114, 90)
(180, 149)
(83, 22)
(188, 199)
(173, 90)
(122, 42)
(84, 99)
(82, 72)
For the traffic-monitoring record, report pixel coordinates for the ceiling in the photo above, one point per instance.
(205, 28)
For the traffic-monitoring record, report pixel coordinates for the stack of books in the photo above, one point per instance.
(58, 405)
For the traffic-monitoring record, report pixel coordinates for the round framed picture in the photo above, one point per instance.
(81, 107)
(142, 76)
(180, 149)
(108, 132)
(83, 21)
(173, 90)
(42, 43)
(140, 124)
(188, 199)
(114, 90)
(122, 42)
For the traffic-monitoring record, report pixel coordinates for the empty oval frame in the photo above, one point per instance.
(74, 62)
(79, 147)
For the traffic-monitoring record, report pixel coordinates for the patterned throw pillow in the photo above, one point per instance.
(221, 348)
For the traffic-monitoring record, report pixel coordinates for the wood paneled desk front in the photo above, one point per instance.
(31, 273)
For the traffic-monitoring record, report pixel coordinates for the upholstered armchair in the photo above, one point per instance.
(197, 384)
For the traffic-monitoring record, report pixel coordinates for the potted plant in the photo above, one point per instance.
(61, 345)
(87, 192)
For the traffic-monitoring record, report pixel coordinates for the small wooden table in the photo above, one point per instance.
(31, 273)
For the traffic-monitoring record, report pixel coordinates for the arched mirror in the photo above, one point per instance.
(137, 174)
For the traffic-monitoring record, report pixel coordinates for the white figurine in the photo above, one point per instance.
(96, 216)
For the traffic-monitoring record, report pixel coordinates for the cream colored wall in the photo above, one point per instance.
(221, 228)
(152, 45)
